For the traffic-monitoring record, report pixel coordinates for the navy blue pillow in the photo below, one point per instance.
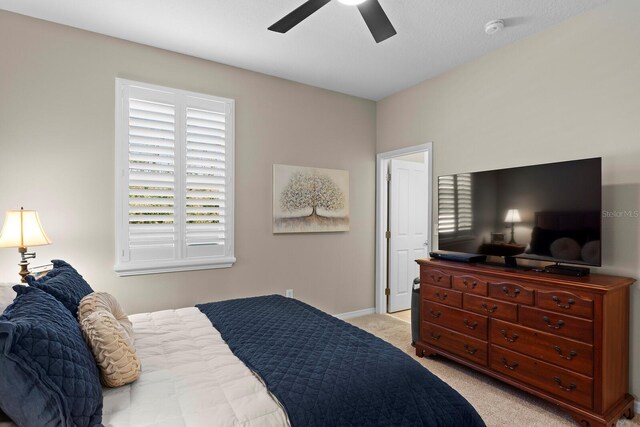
(49, 376)
(64, 283)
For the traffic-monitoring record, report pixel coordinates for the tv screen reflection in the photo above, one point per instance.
(549, 212)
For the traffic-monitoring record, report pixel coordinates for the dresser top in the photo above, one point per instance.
(592, 282)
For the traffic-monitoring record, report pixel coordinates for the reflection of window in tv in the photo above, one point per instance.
(455, 218)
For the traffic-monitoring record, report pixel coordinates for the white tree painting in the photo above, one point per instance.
(310, 200)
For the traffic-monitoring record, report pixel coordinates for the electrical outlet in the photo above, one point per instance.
(288, 293)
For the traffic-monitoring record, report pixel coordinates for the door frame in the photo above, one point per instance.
(382, 188)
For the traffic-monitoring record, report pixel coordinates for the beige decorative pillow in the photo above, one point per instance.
(102, 301)
(108, 332)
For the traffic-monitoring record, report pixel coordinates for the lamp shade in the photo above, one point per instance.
(513, 216)
(21, 229)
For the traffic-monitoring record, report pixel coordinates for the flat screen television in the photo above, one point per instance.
(549, 212)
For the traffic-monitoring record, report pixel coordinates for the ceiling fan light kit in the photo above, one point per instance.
(371, 11)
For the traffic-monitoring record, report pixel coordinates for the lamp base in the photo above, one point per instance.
(24, 271)
(513, 240)
(24, 264)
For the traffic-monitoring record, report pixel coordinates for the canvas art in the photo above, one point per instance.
(310, 200)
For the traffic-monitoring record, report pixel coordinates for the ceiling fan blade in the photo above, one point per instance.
(298, 15)
(376, 20)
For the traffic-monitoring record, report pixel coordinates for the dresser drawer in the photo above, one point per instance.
(564, 352)
(544, 376)
(565, 302)
(461, 321)
(470, 348)
(491, 307)
(512, 292)
(470, 283)
(435, 276)
(443, 296)
(557, 324)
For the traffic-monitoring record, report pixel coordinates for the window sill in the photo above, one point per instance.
(140, 268)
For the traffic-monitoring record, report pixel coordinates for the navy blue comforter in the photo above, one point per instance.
(326, 372)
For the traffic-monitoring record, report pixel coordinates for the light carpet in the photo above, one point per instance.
(404, 315)
(497, 403)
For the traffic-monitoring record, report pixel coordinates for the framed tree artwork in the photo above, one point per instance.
(310, 200)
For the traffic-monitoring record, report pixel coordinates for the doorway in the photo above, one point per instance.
(403, 223)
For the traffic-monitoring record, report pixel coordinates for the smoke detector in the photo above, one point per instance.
(493, 27)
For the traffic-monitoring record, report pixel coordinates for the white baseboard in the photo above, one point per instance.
(352, 314)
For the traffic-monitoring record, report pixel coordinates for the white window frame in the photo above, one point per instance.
(124, 266)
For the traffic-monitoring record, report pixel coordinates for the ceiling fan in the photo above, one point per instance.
(371, 11)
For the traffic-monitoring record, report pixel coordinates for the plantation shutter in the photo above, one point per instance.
(455, 216)
(151, 132)
(206, 177)
(175, 160)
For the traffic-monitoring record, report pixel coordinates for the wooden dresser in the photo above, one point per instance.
(565, 339)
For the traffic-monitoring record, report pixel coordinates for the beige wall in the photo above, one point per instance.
(570, 92)
(57, 148)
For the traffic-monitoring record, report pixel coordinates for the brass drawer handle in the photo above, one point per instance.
(571, 355)
(435, 337)
(512, 367)
(558, 325)
(571, 387)
(466, 284)
(434, 314)
(516, 292)
(441, 297)
(469, 349)
(513, 337)
(471, 326)
(436, 279)
(567, 306)
(487, 309)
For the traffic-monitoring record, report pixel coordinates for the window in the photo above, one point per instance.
(455, 217)
(174, 189)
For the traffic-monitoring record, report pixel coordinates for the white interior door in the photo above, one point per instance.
(408, 226)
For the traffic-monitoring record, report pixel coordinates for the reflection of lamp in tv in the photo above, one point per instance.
(513, 216)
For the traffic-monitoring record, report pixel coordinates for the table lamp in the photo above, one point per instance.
(21, 229)
(513, 216)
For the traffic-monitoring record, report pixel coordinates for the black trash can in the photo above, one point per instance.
(415, 312)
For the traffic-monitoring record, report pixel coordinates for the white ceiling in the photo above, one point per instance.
(332, 49)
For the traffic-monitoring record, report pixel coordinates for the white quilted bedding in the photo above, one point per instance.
(189, 377)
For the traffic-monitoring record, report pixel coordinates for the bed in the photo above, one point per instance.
(275, 361)
(269, 361)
